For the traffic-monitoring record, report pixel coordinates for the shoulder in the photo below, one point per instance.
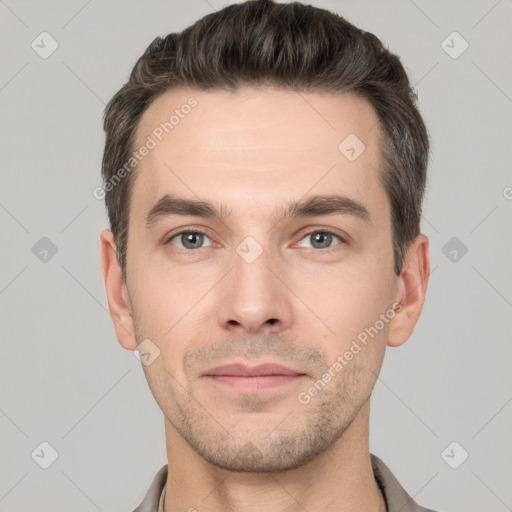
(152, 497)
(394, 494)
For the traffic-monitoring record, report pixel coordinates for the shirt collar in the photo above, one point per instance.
(395, 496)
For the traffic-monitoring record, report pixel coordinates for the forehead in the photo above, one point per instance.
(257, 146)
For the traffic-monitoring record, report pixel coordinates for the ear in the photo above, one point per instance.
(117, 292)
(411, 290)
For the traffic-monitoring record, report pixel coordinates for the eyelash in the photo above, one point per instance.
(196, 231)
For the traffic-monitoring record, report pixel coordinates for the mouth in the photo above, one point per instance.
(253, 378)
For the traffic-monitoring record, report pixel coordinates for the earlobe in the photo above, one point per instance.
(117, 292)
(411, 291)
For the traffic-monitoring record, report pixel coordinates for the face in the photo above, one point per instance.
(251, 301)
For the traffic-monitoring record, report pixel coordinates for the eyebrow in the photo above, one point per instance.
(330, 204)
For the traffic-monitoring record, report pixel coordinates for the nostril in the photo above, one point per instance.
(270, 321)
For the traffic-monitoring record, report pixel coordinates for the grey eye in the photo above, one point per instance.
(321, 239)
(189, 240)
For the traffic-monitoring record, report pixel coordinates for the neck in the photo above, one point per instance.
(339, 479)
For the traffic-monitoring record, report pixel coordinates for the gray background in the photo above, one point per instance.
(65, 380)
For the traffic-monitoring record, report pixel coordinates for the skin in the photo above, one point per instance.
(254, 150)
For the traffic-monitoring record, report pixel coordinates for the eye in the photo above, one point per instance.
(189, 239)
(321, 239)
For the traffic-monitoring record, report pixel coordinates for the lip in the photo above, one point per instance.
(253, 378)
(243, 370)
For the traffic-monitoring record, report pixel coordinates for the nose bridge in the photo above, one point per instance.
(254, 298)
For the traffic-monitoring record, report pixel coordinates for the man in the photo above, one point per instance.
(263, 174)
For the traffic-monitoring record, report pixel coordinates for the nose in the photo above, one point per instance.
(254, 297)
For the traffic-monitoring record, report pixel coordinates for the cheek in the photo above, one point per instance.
(167, 301)
(347, 298)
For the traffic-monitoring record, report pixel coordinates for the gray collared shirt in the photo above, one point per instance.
(395, 496)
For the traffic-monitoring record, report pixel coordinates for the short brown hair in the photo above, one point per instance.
(293, 46)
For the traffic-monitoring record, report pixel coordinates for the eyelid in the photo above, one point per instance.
(319, 228)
